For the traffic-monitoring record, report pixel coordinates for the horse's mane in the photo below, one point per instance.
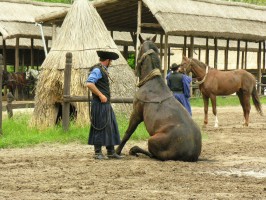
(201, 64)
(154, 56)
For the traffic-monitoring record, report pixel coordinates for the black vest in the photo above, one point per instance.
(102, 84)
(176, 84)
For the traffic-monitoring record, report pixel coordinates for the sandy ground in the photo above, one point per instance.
(232, 165)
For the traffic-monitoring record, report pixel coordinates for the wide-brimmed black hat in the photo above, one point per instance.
(174, 66)
(107, 55)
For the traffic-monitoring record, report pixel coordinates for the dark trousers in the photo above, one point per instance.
(110, 149)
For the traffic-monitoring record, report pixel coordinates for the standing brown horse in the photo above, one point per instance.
(174, 135)
(213, 82)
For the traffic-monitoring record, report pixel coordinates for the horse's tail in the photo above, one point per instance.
(256, 101)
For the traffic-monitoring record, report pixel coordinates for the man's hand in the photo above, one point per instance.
(103, 98)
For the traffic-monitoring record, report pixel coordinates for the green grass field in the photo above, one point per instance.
(17, 133)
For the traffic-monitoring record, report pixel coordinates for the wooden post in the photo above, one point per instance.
(125, 52)
(242, 59)
(31, 52)
(17, 63)
(246, 54)
(185, 46)
(138, 29)
(169, 56)
(207, 52)
(215, 53)
(1, 107)
(264, 59)
(259, 69)
(226, 52)
(238, 54)
(161, 49)
(4, 55)
(9, 107)
(67, 79)
(199, 56)
(165, 56)
(191, 48)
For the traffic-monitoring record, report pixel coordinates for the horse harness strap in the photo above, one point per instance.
(204, 78)
(150, 51)
(153, 73)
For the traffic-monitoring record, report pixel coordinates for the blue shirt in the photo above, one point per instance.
(95, 75)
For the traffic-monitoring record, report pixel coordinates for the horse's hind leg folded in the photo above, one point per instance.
(135, 150)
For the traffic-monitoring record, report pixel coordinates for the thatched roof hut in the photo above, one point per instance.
(82, 33)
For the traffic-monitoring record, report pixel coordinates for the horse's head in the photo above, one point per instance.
(185, 66)
(146, 48)
(5, 77)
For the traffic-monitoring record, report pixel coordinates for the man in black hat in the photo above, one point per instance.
(104, 128)
(179, 84)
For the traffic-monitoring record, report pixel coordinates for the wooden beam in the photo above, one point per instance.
(242, 59)
(138, 29)
(246, 54)
(238, 54)
(150, 25)
(31, 52)
(191, 47)
(165, 56)
(17, 55)
(185, 46)
(161, 50)
(4, 54)
(67, 81)
(125, 52)
(207, 52)
(68, 98)
(226, 52)
(259, 68)
(264, 56)
(215, 53)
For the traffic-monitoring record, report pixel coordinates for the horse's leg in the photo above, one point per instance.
(246, 107)
(214, 110)
(206, 105)
(240, 97)
(135, 120)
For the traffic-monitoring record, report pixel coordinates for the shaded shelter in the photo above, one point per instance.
(82, 33)
(17, 21)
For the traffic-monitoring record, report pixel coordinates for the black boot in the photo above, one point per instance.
(111, 153)
(98, 153)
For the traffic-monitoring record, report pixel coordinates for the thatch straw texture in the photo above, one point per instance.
(82, 33)
(199, 18)
(210, 18)
(17, 18)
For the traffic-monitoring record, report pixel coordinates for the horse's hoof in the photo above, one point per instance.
(133, 153)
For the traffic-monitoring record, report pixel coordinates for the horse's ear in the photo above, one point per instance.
(141, 39)
(185, 58)
(154, 39)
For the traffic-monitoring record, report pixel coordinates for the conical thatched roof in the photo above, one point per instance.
(82, 33)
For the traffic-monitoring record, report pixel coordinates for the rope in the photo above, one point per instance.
(153, 73)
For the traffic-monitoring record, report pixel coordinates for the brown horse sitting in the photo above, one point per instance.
(174, 135)
(213, 82)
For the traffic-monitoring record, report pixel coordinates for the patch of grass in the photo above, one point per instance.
(223, 101)
(17, 133)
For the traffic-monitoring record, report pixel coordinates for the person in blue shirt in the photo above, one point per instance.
(104, 128)
(179, 84)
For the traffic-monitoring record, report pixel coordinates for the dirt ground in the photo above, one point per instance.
(232, 166)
